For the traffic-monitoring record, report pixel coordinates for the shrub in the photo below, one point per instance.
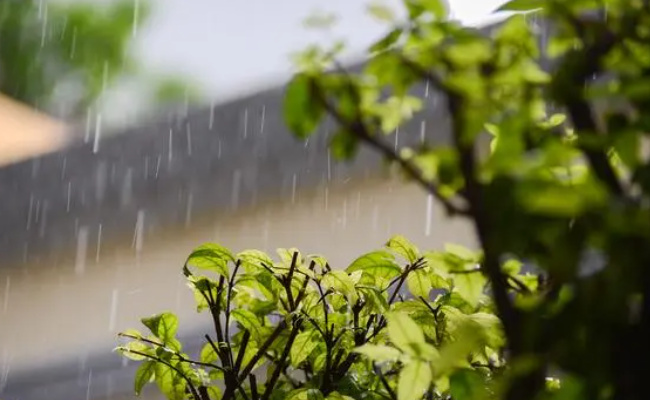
(396, 324)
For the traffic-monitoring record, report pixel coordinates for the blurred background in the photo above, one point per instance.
(133, 131)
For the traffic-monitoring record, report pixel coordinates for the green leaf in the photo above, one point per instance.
(247, 320)
(303, 346)
(163, 326)
(344, 145)
(379, 353)
(436, 7)
(302, 110)
(419, 283)
(387, 41)
(305, 394)
(404, 332)
(338, 396)
(522, 5)
(252, 260)
(341, 282)
(402, 246)
(211, 257)
(467, 385)
(414, 380)
(135, 346)
(144, 375)
(381, 11)
(379, 264)
(470, 286)
(169, 382)
(208, 354)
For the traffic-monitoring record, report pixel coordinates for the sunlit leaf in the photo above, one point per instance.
(211, 257)
(302, 109)
(414, 380)
(163, 326)
(379, 353)
(143, 375)
(303, 346)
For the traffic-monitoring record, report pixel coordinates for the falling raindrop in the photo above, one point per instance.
(170, 149)
(211, 121)
(90, 379)
(73, 45)
(423, 129)
(146, 168)
(327, 195)
(63, 167)
(5, 300)
(29, 213)
(236, 186)
(426, 89)
(41, 231)
(293, 188)
(38, 210)
(158, 166)
(98, 133)
(245, 122)
(263, 119)
(112, 319)
(189, 141)
(43, 16)
(428, 220)
(138, 235)
(88, 123)
(188, 209)
(219, 149)
(35, 166)
(358, 205)
(396, 138)
(99, 243)
(69, 197)
(329, 165)
(375, 217)
(136, 17)
(82, 250)
(127, 188)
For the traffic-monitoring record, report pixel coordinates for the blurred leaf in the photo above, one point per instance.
(302, 109)
(414, 380)
(381, 11)
(344, 145)
(467, 385)
(522, 5)
(419, 283)
(304, 344)
(404, 332)
(379, 353)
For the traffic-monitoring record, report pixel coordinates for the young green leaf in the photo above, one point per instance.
(305, 394)
(379, 353)
(163, 326)
(378, 264)
(414, 380)
(211, 257)
(381, 12)
(143, 375)
(303, 346)
(169, 382)
(404, 332)
(402, 246)
(419, 283)
(340, 282)
(522, 5)
(248, 321)
(252, 260)
(470, 286)
(302, 110)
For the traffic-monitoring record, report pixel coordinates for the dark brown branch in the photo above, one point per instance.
(358, 129)
(282, 361)
(384, 382)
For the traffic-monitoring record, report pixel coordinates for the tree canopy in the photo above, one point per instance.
(560, 205)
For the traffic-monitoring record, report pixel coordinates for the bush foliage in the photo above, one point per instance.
(396, 324)
(563, 188)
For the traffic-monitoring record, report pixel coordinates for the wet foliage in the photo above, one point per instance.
(562, 189)
(397, 323)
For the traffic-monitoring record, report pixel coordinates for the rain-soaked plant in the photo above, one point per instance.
(565, 185)
(397, 324)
